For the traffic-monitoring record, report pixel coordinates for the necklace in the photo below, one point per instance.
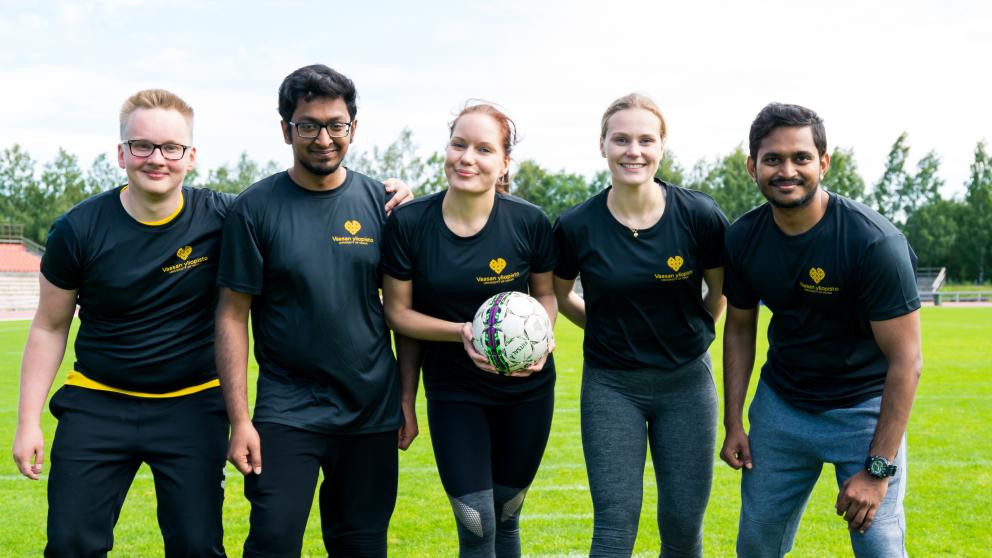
(633, 231)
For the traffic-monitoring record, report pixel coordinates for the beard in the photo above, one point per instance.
(321, 170)
(791, 204)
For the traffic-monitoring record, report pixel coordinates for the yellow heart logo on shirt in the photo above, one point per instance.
(817, 274)
(675, 262)
(352, 227)
(184, 252)
(497, 265)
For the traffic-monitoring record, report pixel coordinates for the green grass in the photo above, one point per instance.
(946, 504)
(965, 286)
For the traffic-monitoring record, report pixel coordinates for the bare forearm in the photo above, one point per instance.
(714, 301)
(738, 361)
(408, 358)
(550, 304)
(42, 356)
(573, 307)
(897, 401)
(407, 321)
(231, 347)
(715, 304)
(899, 340)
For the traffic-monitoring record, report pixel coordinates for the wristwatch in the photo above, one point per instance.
(879, 467)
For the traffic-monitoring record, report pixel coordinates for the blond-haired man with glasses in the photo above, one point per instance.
(140, 260)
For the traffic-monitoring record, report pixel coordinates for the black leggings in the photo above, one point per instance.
(487, 456)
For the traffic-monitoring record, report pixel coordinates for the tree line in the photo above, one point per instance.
(945, 232)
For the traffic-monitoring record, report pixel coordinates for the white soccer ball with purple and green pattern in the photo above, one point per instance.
(512, 330)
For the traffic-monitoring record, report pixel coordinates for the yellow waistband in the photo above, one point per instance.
(77, 379)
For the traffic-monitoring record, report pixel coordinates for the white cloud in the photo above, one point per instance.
(872, 70)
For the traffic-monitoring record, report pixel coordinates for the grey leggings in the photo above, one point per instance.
(675, 411)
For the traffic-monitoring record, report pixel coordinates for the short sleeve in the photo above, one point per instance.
(737, 289)
(714, 225)
(544, 246)
(397, 260)
(223, 202)
(888, 279)
(241, 261)
(62, 263)
(566, 265)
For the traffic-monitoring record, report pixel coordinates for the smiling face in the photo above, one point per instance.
(788, 168)
(633, 146)
(475, 159)
(155, 175)
(320, 156)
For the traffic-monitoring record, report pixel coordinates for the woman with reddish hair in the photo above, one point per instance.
(444, 255)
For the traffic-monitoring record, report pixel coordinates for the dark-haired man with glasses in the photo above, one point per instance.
(140, 260)
(301, 255)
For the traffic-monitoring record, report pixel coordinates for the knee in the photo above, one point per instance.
(886, 537)
(475, 516)
(76, 543)
(685, 548)
(351, 545)
(756, 539)
(195, 541)
(275, 535)
(508, 503)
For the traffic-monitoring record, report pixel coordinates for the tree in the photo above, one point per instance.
(553, 192)
(898, 194)
(398, 160)
(728, 182)
(234, 180)
(433, 179)
(978, 217)
(842, 177)
(103, 175)
(923, 188)
(670, 171)
(935, 233)
(885, 195)
(16, 178)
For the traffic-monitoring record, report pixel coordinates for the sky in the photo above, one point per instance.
(871, 69)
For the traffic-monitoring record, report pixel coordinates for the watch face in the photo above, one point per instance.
(877, 468)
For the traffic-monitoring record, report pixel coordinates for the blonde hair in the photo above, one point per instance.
(634, 100)
(155, 98)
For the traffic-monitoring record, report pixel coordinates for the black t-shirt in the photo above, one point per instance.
(822, 286)
(453, 275)
(310, 260)
(643, 294)
(146, 293)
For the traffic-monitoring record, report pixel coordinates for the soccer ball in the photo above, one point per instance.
(512, 330)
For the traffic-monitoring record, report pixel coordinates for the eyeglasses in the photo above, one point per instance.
(310, 130)
(142, 148)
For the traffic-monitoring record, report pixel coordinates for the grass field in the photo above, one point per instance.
(947, 502)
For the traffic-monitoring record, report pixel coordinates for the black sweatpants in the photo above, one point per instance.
(357, 496)
(101, 440)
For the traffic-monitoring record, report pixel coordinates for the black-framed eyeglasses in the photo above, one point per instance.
(142, 148)
(310, 130)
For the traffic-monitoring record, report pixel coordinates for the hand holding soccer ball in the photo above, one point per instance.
(512, 331)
